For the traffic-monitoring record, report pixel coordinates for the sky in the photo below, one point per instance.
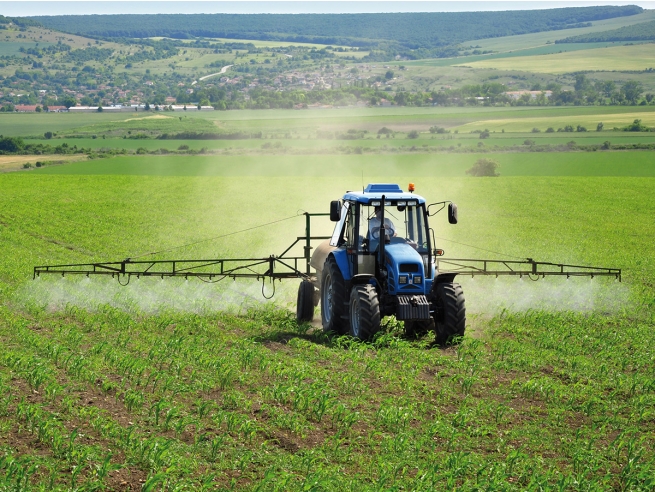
(54, 7)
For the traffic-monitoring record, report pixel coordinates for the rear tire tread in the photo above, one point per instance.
(305, 305)
(338, 315)
(451, 322)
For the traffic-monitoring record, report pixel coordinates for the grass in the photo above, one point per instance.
(167, 384)
(294, 122)
(267, 44)
(147, 124)
(24, 124)
(425, 143)
(534, 51)
(611, 120)
(619, 58)
(17, 162)
(99, 397)
(13, 48)
(412, 165)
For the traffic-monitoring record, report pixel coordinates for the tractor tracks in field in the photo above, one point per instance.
(67, 246)
(4, 222)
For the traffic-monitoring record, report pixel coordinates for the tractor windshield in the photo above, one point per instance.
(403, 222)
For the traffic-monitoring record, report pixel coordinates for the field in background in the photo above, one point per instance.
(410, 165)
(294, 123)
(621, 58)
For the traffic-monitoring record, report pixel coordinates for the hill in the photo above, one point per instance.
(644, 31)
(408, 31)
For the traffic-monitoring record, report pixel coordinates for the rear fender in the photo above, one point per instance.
(444, 278)
(362, 278)
(341, 257)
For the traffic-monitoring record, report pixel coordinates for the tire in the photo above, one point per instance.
(305, 306)
(333, 298)
(364, 312)
(450, 312)
(418, 328)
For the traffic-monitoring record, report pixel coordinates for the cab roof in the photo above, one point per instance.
(374, 191)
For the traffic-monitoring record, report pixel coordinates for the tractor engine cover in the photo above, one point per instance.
(413, 307)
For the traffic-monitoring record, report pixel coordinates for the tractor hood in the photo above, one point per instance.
(404, 263)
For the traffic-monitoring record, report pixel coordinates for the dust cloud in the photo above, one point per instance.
(154, 296)
(490, 296)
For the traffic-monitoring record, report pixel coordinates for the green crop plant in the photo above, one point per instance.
(16, 472)
(215, 448)
(133, 399)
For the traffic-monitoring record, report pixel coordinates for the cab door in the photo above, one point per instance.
(351, 237)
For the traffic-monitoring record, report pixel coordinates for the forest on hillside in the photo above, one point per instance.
(407, 31)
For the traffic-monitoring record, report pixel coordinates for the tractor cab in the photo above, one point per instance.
(379, 262)
(384, 214)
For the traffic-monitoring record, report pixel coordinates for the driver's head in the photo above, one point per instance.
(378, 211)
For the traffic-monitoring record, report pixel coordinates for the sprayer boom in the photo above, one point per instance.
(528, 267)
(212, 269)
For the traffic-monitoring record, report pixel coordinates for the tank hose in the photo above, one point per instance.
(264, 284)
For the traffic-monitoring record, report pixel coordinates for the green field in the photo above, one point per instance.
(539, 50)
(619, 58)
(424, 165)
(175, 384)
(7, 48)
(304, 122)
(616, 120)
(166, 383)
(426, 142)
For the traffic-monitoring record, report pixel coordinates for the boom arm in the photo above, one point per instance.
(283, 267)
(528, 267)
(212, 270)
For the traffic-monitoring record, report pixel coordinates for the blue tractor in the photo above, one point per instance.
(380, 262)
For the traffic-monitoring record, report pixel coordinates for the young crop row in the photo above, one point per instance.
(258, 406)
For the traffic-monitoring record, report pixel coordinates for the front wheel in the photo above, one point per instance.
(364, 312)
(450, 313)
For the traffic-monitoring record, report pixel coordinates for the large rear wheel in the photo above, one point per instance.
(450, 313)
(364, 312)
(305, 306)
(333, 298)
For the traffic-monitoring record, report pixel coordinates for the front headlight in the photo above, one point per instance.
(402, 279)
(417, 279)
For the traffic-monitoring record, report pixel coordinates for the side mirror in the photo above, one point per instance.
(452, 213)
(335, 210)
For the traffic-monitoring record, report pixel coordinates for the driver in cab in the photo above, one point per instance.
(374, 225)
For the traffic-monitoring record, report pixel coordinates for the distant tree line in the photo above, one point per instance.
(387, 33)
(487, 94)
(19, 21)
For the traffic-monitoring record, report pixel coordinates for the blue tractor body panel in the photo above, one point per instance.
(375, 191)
(404, 263)
(341, 258)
